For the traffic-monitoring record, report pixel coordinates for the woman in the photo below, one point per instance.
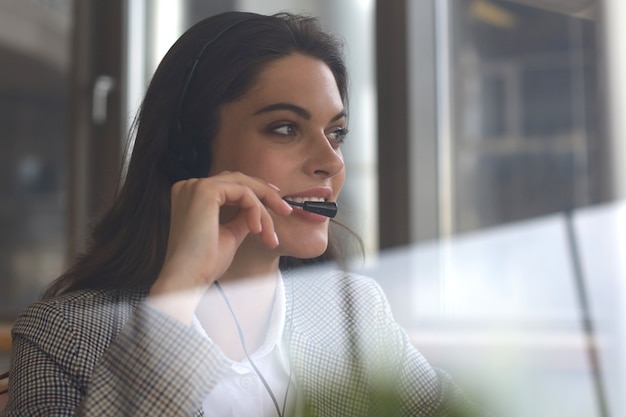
(180, 307)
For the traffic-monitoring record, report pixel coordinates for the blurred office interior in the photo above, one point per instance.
(486, 170)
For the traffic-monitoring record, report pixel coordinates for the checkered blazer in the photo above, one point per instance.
(108, 353)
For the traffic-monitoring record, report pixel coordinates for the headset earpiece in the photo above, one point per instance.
(187, 158)
(179, 160)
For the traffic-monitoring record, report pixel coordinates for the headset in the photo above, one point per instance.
(188, 154)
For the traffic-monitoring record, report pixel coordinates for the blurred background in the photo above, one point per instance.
(486, 167)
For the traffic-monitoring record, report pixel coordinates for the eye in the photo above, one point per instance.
(338, 136)
(285, 129)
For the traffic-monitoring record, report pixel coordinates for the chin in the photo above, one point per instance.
(305, 250)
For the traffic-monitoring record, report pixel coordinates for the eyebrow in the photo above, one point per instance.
(300, 111)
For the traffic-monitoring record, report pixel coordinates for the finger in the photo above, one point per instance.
(268, 193)
(276, 203)
(268, 235)
(252, 214)
(256, 214)
(238, 227)
(264, 219)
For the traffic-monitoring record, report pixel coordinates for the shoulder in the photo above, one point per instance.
(85, 318)
(326, 298)
(329, 283)
(82, 304)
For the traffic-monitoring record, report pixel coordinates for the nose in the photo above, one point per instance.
(323, 159)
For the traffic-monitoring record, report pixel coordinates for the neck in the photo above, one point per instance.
(250, 286)
(251, 302)
(252, 260)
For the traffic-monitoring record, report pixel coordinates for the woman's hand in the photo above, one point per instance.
(210, 217)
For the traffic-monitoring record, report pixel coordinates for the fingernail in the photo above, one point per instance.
(273, 186)
(276, 239)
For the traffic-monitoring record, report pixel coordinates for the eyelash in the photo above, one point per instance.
(340, 134)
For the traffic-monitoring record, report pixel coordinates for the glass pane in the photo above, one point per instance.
(35, 56)
(525, 128)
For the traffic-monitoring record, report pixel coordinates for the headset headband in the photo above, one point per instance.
(237, 19)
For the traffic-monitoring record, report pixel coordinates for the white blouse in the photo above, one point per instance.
(241, 392)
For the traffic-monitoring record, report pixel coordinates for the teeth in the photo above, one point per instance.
(303, 199)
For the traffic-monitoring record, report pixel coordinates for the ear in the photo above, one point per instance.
(179, 160)
(186, 158)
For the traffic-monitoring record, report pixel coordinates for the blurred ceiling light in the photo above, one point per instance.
(492, 14)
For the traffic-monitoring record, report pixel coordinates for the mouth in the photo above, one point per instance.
(303, 199)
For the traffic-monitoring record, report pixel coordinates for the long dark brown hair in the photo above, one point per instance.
(128, 244)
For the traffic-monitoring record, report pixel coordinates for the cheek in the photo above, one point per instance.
(271, 166)
(220, 156)
(233, 160)
(340, 180)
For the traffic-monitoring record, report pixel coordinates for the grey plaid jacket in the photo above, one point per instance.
(107, 353)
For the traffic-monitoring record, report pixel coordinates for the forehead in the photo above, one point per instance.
(297, 78)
